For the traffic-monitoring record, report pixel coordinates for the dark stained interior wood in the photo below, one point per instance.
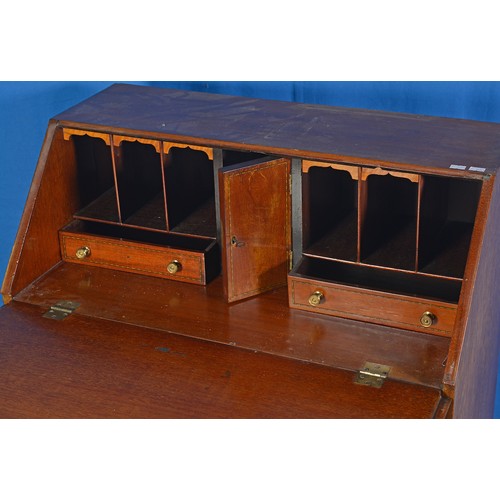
(448, 210)
(374, 278)
(190, 192)
(138, 235)
(264, 323)
(96, 183)
(319, 132)
(332, 216)
(390, 227)
(83, 367)
(104, 208)
(140, 185)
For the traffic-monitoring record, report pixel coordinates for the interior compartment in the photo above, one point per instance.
(330, 218)
(140, 185)
(230, 157)
(373, 278)
(448, 210)
(189, 182)
(95, 179)
(137, 235)
(389, 228)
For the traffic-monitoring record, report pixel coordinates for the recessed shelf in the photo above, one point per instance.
(389, 229)
(200, 222)
(330, 218)
(448, 212)
(338, 243)
(150, 215)
(103, 208)
(139, 182)
(95, 177)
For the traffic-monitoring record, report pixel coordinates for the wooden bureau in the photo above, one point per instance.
(192, 255)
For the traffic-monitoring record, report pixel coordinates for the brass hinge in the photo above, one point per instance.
(61, 310)
(372, 375)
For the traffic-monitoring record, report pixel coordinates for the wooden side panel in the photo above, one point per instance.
(255, 209)
(473, 366)
(52, 200)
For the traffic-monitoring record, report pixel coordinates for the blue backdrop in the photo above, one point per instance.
(25, 108)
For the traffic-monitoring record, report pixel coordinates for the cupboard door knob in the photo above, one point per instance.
(427, 319)
(174, 267)
(82, 252)
(316, 298)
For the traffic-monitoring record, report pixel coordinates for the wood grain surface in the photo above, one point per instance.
(371, 306)
(375, 138)
(134, 257)
(256, 235)
(263, 323)
(139, 346)
(88, 368)
(50, 205)
(473, 368)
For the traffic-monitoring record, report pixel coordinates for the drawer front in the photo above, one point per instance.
(365, 305)
(181, 265)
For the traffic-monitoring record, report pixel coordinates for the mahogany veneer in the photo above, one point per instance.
(243, 258)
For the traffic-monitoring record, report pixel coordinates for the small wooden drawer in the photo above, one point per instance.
(141, 258)
(389, 309)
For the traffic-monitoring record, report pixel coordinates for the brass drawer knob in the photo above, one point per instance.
(82, 252)
(428, 319)
(316, 298)
(174, 267)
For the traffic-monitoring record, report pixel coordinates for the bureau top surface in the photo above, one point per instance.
(293, 129)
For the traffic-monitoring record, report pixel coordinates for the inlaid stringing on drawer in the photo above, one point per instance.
(134, 257)
(372, 306)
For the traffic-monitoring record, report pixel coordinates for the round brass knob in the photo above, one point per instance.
(316, 298)
(174, 267)
(82, 252)
(427, 319)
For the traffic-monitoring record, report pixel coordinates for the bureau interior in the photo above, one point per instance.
(389, 230)
(139, 182)
(412, 224)
(330, 213)
(142, 183)
(380, 279)
(95, 178)
(163, 239)
(447, 216)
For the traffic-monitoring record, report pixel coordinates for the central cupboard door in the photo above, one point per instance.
(255, 232)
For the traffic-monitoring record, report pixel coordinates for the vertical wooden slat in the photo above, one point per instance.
(296, 193)
(362, 202)
(116, 159)
(217, 165)
(419, 204)
(164, 187)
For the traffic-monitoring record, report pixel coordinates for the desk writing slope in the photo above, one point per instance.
(85, 368)
(214, 256)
